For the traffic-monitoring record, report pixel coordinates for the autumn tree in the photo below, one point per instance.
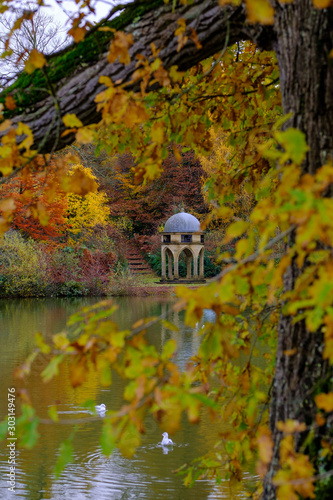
(218, 167)
(144, 101)
(40, 204)
(148, 206)
(85, 212)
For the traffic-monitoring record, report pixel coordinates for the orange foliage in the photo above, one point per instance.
(40, 208)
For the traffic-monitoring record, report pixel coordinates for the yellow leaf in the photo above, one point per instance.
(291, 426)
(35, 60)
(5, 125)
(135, 113)
(157, 132)
(77, 33)
(85, 135)
(325, 401)
(290, 352)
(322, 4)
(71, 120)
(265, 449)
(40, 342)
(176, 76)
(4, 225)
(7, 205)
(235, 230)
(259, 11)
(106, 80)
(79, 183)
(228, 2)
(23, 129)
(119, 47)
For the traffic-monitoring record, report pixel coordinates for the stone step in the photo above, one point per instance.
(136, 262)
(134, 268)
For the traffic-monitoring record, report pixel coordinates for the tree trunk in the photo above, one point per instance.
(304, 40)
(215, 26)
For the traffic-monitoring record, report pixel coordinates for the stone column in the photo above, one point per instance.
(195, 266)
(202, 260)
(163, 251)
(170, 275)
(188, 265)
(175, 265)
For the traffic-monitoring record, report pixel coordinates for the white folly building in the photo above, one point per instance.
(182, 233)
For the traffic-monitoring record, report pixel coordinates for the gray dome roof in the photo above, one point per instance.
(182, 223)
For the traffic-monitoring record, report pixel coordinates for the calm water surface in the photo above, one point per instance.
(149, 474)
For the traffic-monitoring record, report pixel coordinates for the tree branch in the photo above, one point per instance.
(158, 26)
(254, 256)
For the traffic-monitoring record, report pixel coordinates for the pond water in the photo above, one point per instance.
(149, 474)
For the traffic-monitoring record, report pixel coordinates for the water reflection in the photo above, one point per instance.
(149, 474)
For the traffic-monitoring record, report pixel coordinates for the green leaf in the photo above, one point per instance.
(3, 429)
(236, 229)
(169, 325)
(89, 404)
(107, 440)
(106, 375)
(168, 349)
(294, 143)
(205, 400)
(130, 440)
(40, 342)
(65, 456)
(27, 425)
(53, 413)
(52, 368)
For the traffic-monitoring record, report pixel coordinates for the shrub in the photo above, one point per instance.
(65, 272)
(122, 281)
(96, 267)
(24, 269)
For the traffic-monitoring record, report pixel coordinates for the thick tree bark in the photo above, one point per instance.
(211, 22)
(304, 40)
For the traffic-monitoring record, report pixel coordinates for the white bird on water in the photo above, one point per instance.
(100, 408)
(166, 440)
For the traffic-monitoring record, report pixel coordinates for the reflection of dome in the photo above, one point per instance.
(182, 223)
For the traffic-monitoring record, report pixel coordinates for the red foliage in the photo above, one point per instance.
(148, 243)
(149, 206)
(96, 266)
(39, 208)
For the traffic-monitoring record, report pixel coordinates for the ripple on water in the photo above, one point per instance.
(115, 477)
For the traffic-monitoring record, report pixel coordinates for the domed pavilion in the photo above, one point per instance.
(182, 233)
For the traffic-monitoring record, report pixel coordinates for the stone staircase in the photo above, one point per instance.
(136, 262)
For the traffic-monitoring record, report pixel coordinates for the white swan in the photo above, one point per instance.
(166, 440)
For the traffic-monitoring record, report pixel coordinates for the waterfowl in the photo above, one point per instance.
(100, 408)
(166, 440)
